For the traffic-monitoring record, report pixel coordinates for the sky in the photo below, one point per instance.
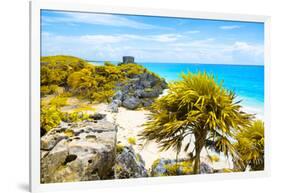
(108, 37)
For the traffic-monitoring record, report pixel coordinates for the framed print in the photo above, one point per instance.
(129, 96)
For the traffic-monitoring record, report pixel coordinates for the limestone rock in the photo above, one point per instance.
(97, 116)
(131, 103)
(205, 168)
(83, 151)
(129, 165)
(140, 90)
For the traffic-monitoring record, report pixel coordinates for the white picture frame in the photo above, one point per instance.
(36, 6)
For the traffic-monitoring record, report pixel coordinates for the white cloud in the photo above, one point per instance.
(244, 46)
(161, 47)
(230, 27)
(165, 37)
(97, 19)
(104, 39)
(193, 32)
(249, 53)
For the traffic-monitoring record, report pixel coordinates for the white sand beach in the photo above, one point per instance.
(130, 125)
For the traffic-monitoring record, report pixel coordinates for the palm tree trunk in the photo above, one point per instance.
(199, 144)
(196, 166)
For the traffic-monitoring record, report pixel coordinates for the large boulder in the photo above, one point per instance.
(147, 102)
(129, 164)
(131, 103)
(78, 152)
(140, 90)
(150, 92)
(97, 116)
(205, 168)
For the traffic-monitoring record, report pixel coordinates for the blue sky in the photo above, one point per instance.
(107, 37)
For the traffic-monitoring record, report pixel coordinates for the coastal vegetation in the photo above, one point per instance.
(67, 76)
(132, 140)
(51, 116)
(80, 102)
(200, 107)
(80, 78)
(250, 145)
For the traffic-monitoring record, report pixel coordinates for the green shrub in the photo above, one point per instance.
(214, 158)
(155, 163)
(119, 148)
(227, 170)
(50, 117)
(49, 89)
(132, 69)
(250, 145)
(56, 69)
(58, 101)
(107, 63)
(74, 117)
(76, 76)
(180, 168)
(132, 140)
(83, 107)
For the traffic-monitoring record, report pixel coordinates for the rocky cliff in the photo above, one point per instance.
(86, 151)
(78, 152)
(139, 91)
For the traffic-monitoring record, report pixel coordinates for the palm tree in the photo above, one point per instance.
(250, 145)
(196, 106)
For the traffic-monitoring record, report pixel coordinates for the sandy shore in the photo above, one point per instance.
(130, 125)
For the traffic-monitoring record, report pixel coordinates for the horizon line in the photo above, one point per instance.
(119, 61)
(231, 64)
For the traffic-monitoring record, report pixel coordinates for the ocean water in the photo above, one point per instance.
(245, 80)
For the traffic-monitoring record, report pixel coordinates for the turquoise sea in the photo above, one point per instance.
(247, 81)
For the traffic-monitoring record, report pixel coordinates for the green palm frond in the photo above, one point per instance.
(197, 105)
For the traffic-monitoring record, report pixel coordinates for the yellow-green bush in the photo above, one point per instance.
(155, 163)
(50, 117)
(58, 101)
(83, 107)
(132, 140)
(214, 158)
(119, 148)
(180, 168)
(227, 170)
(74, 117)
(49, 89)
(132, 69)
(95, 83)
(56, 69)
(250, 145)
(83, 79)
